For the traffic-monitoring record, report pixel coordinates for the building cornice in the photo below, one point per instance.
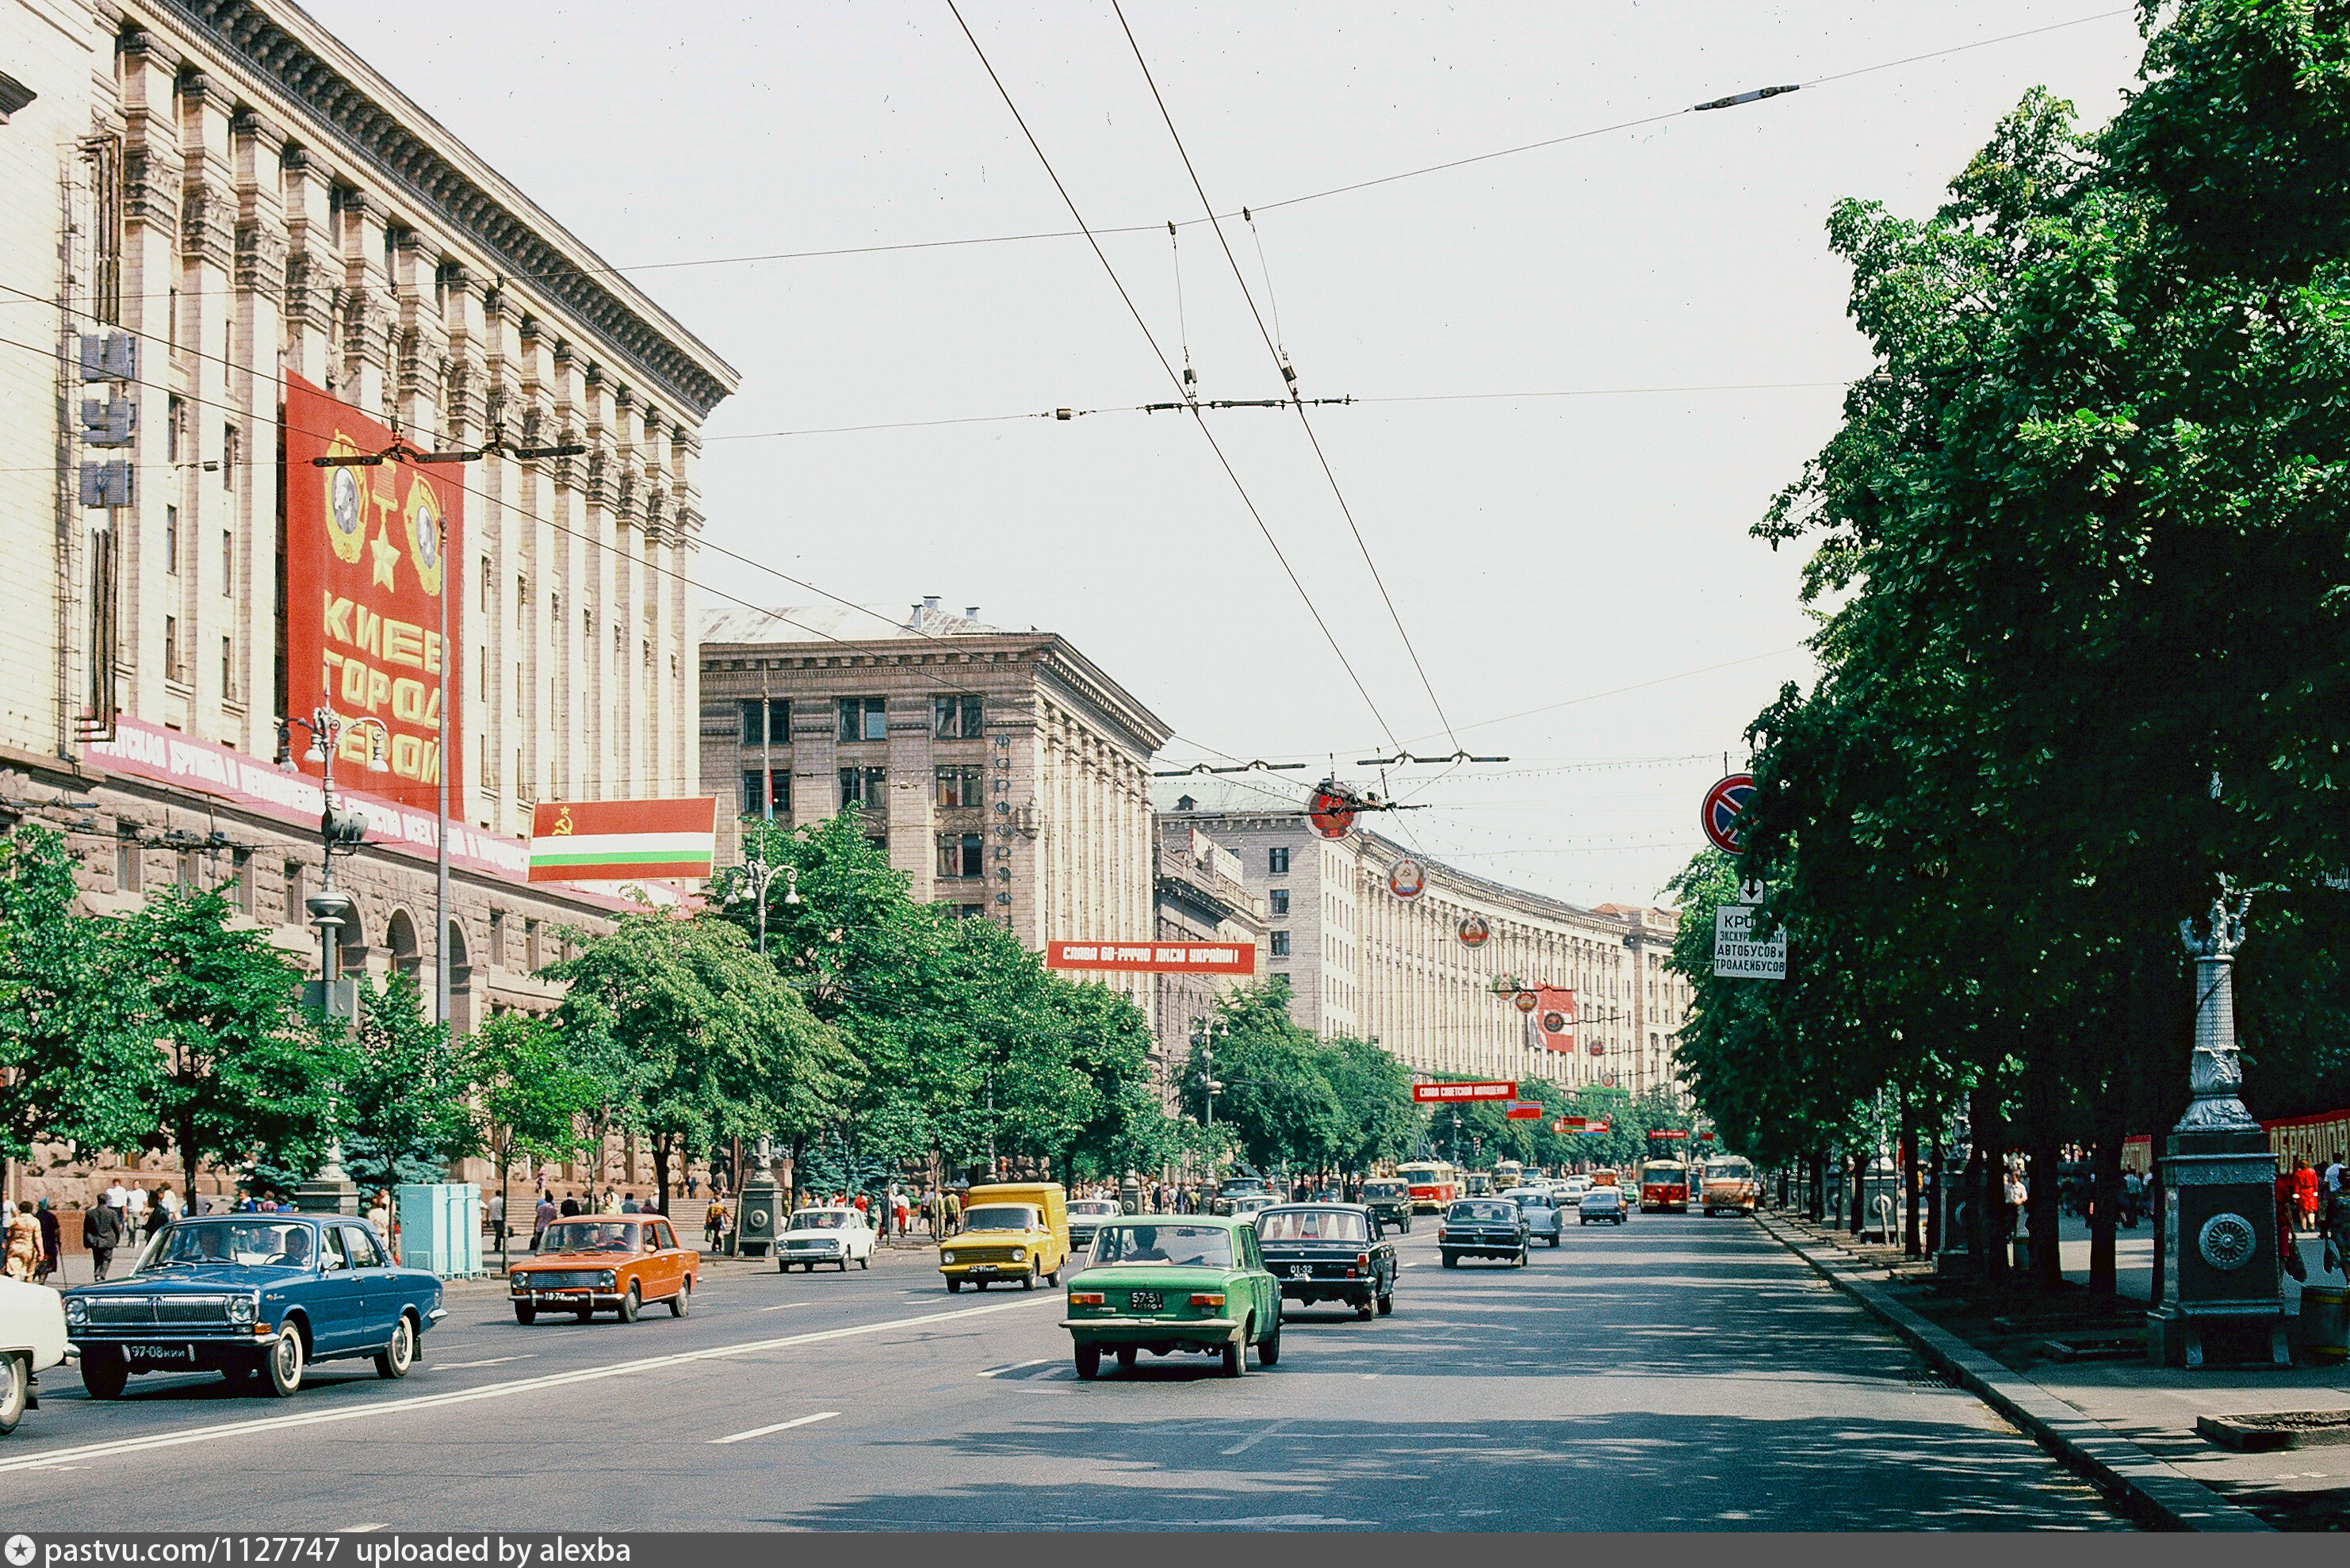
(320, 84)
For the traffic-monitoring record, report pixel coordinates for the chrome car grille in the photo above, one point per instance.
(964, 1254)
(811, 1244)
(559, 1279)
(148, 1312)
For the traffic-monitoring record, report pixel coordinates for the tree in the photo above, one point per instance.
(695, 1035)
(234, 1073)
(400, 1089)
(526, 1097)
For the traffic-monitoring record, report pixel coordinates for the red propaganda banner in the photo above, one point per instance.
(1154, 958)
(1667, 1133)
(1436, 1094)
(1524, 1111)
(1554, 1017)
(622, 840)
(367, 556)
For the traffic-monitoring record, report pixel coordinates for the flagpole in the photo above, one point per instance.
(440, 835)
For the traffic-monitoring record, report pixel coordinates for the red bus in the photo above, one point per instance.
(1434, 1184)
(1664, 1187)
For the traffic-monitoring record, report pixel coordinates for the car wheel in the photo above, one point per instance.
(1236, 1355)
(954, 1287)
(15, 1391)
(525, 1314)
(866, 1261)
(1029, 1280)
(682, 1302)
(394, 1359)
(1126, 1353)
(287, 1362)
(782, 1266)
(1054, 1279)
(844, 1265)
(631, 1303)
(1386, 1305)
(1088, 1362)
(1366, 1308)
(104, 1375)
(1268, 1349)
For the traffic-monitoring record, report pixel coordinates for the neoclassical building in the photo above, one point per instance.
(206, 199)
(1364, 962)
(1004, 773)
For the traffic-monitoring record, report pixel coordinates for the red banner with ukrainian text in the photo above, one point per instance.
(1154, 958)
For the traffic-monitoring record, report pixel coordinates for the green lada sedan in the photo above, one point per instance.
(1169, 1282)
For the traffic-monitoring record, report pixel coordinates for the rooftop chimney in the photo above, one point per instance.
(971, 612)
(931, 603)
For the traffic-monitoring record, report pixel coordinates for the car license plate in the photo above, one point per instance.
(178, 1352)
(1143, 1301)
(1301, 1271)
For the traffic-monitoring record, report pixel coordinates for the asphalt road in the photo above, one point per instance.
(1673, 1373)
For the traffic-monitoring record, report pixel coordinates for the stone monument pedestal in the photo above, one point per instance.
(758, 1215)
(330, 1191)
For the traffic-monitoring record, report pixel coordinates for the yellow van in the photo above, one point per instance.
(1011, 1230)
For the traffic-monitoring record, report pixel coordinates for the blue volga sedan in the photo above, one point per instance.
(257, 1297)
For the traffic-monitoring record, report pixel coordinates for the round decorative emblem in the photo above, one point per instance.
(758, 1218)
(345, 508)
(1331, 810)
(1408, 878)
(1526, 1001)
(1474, 931)
(2227, 1241)
(1556, 1022)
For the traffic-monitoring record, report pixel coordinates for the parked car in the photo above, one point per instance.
(32, 1338)
(1011, 1230)
(1328, 1252)
(1389, 1203)
(618, 1264)
(1085, 1215)
(1482, 1228)
(826, 1234)
(1542, 1216)
(1600, 1205)
(1169, 1283)
(258, 1297)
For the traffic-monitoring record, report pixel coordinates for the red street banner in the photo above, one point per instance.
(367, 552)
(1433, 1093)
(1554, 1016)
(1154, 958)
(1572, 1124)
(1524, 1111)
(622, 840)
(1668, 1132)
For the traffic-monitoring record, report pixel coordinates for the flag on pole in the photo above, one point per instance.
(622, 840)
(1553, 1018)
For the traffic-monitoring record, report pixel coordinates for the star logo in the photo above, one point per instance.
(387, 556)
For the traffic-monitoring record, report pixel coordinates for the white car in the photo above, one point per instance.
(1600, 1204)
(1572, 1188)
(32, 1337)
(1085, 1218)
(1243, 1207)
(836, 1236)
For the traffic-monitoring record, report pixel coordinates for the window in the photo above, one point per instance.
(170, 647)
(190, 872)
(295, 914)
(1281, 900)
(960, 855)
(958, 787)
(228, 561)
(970, 911)
(228, 669)
(1277, 862)
(126, 859)
(865, 788)
(485, 686)
(779, 786)
(172, 539)
(1280, 944)
(232, 453)
(485, 582)
(175, 420)
(767, 720)
(360, 1243)
(864, 718)
(955, 718)
(754, 798)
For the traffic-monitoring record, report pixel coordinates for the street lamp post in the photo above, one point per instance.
(341, 832)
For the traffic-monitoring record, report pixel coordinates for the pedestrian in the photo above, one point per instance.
(541, 1216)
(2306, 1188)
(713, 1220)
(167, 1204)
(134, 1214)
(101, 1233)
(52, 1238)
(117, 1195)
(628, 1204)
(570, 1206)
(379, 1215)
(24, 1255)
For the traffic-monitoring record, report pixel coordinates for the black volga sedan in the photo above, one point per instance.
(1482, 1228)
(1328, 1252)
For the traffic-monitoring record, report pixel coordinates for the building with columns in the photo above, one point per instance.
(1363, 962)
(1202, 896)
(206, 197)
(1002, 771)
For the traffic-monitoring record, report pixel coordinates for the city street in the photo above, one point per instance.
(1673, 1373)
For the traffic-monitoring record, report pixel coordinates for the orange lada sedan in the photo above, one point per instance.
(619, 1263)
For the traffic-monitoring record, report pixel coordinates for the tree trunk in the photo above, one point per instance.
(1815, 1186)
(2105, 1188)
(2042, 1194)
(1986, 1193)
(191, 1161)
(662, 1144)
(1913, 1240)
(1859, 1192)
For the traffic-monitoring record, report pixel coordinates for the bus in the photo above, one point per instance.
(1434, 1184)
(1508, 1173)
(1664, 1187)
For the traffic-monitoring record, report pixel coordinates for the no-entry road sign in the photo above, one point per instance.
(1436, 1094)
(1719, 813)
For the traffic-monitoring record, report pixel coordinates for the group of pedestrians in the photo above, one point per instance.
(32, 1233)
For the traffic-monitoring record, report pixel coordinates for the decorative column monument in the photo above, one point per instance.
(330, 1191)
(759, 1207)
(2221, 1277)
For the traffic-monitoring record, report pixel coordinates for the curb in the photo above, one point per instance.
(2143, 1486)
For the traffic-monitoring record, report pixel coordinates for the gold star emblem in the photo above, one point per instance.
(387, 556)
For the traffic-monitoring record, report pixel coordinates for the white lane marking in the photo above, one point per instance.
(1016, 1366)
(358, 1529)
(1254, 1439)
(492, 1361)
(497, 1390)
(779, 1306)
(778, 1427)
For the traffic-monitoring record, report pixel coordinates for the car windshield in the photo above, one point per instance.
(261, 1242)
(1602, 1195)
(1000, 1217)
(1528, 1197)
(1242, 1184)
(1094, 1206)
(1730, 1170)
(1384, 1190)
(1309, 1225)
(821, 1219)
(589, 1236)
(1500, 1210)
(1196, 1246)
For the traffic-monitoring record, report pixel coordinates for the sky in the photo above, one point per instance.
(1574, 574)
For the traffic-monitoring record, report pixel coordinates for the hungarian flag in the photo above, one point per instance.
(1553, 1018)
(622, 840)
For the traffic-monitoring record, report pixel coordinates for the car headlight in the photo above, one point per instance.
(77, 1310)
(608, 1279)
(946, 1257)
(240, 1309)
(1018, 1253)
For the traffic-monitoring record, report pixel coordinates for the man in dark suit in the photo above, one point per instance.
(101, 1233)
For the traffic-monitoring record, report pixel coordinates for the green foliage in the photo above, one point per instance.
(400, 1093)
(1292, 1102)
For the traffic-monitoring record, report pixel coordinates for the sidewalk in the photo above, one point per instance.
(2089, 1355)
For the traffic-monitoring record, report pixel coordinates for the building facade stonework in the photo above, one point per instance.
(1002, 773)
(206, 196)
(1202, 896)
(1361, 961)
